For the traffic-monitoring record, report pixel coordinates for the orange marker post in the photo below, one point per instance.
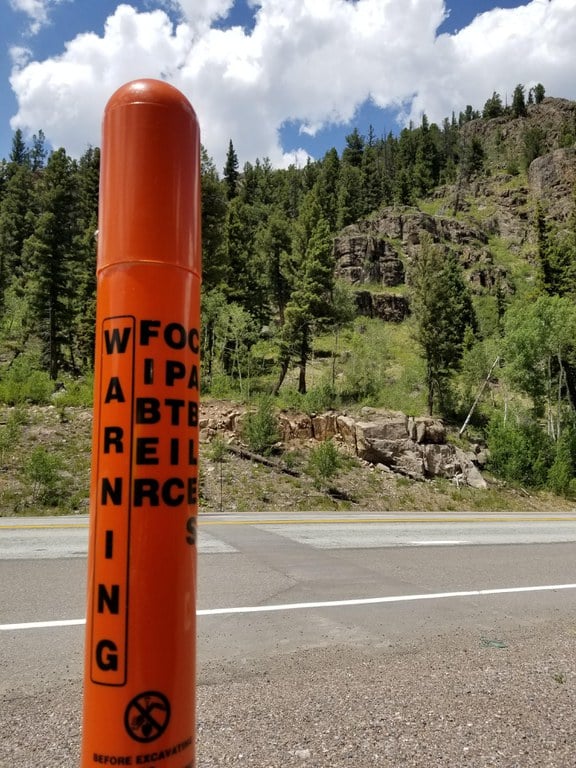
(141, 620)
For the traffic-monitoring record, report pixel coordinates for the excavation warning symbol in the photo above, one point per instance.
(147, 716)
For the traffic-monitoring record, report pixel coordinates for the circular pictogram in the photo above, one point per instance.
(147, 716)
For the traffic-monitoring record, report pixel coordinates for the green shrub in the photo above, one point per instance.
(43, 471)
(324, 463)
(76, 392)
(23, 383)
(561, 473)
(260, 428)
(320, 399)
(520, 453)
(218, 449)
(10, 433)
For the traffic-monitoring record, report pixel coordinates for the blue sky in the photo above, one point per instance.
(281, 78)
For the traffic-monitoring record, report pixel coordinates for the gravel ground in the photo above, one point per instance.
(455, 701)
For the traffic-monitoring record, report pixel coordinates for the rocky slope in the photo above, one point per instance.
(376, 253)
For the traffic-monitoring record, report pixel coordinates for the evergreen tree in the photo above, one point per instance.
(326, 187)
(275, 244)
(519, 102)
(49, 255)
(539, 93)
(350, 196)
(83, 260)
(493, 107)
(354, 149)
(214, 211)
(426, 161)
(231, 174)
(442, 307)
(372, 186)
(19, 154)
(245, 281)
(310, 307)
(38, 153)
(17, 213)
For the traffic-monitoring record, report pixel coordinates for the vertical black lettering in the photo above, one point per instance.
(192, 488)
(175, 406)
(174, 451)
(149, 370)
(116, 343)
(112, 492)
(148, 330)
(109, 545)
(146, 450)
(175, 370)
(107, 656)
(114, 391)
(167, 497)
(192, 414)
(175, 336)
(194, 340)
(109, 600)
(146, 488)
(194, 381)
(147, 410)
(191, 530)
(192, 458)
(113, 436)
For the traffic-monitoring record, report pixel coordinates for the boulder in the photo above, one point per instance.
(423, 429)
(324, 426)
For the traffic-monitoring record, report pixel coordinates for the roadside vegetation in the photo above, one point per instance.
(490, 349)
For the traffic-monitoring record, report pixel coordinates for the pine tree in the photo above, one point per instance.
(372, 187)
(354, 149)
(19, 154)
(49, 256)
(231, 174)
(519, 102)
(17, 212)
(493, 107)
(442, 306)
(310, 307)
(275, 244)
(214, 211)
(326, 187)
(539, 93)
(86, 176)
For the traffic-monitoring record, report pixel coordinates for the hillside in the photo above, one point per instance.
(429, 273)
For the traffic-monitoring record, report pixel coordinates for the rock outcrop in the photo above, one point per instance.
(411, 446)
(390, 307)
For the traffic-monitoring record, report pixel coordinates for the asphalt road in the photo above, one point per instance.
(328, 578)
(271, 586)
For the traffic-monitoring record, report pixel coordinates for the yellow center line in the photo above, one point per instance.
(325, 521)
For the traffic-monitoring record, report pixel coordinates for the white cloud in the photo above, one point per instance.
(313, 62)
(19, 55)
(38, 11)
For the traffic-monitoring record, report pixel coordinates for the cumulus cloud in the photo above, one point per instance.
(38, 11)
(310, 62)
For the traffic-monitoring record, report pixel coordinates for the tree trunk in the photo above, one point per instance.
(304, 349)
(284, 365)
(570, 374)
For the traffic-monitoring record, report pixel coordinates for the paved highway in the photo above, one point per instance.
(57, 537)
(272, 585)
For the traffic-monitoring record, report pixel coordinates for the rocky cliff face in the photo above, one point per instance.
(375, 253)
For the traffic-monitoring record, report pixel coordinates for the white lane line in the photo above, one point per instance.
(323, 604)
(438, 543)
(43, 624)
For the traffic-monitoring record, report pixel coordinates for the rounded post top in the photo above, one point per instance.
(149, 91)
